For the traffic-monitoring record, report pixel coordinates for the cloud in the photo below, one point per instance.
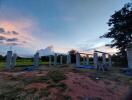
(96, 44)
(12, 44)
(9, 41)
(47, 51)
(19, 33)
(14, 32)
(12, 40)
(2, 38)
(102, 48)
(8, 37)
(2, 30)
(20, 26)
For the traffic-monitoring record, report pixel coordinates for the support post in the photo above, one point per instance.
(84, 61)
(110, 61)
(8, 59)
(68, 59)
(14, 57)
(61, 59)
(50, 62)
(77, 59)
(95, 59)
(55, 59)
(87, 60)
(36, 60)
(104, 58)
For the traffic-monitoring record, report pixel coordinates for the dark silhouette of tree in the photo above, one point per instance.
(72, 53)
(45, 58)
(2, 58)
(120, 29)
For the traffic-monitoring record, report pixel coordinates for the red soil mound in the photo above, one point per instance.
(36, 86)
(83, 86)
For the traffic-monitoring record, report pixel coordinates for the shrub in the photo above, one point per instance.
(56, 76)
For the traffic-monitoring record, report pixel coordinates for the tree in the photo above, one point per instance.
(72, 53)
(1, 58)
(120, 28)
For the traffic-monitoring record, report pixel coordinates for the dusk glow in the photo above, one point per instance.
(65, 49)
(64, 24)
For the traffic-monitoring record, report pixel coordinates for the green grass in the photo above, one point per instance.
(21, 63)
(2, 64)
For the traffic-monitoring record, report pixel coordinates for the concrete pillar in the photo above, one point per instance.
(68, 59)
(84, 61)
(77, 59)
(8, 59)
(61, 59)
(55, 59)
(129, 55)
(87, 60)
(95, 59)
(14, 57)
(50, 62)
(110, 61)
(104, 58)
(36, 60)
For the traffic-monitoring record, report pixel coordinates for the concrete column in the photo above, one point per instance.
(14, 57)
(77, 59)
(61, 59)
(8, 59)
(68, 59)
(95, 59)
(87, 60)
(104, 58)
(50, 62)
(55, 59)
(36, 60)
(84, 61)
(110, 61)
(129, 56)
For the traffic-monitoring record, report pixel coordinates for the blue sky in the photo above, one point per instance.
(63, 24)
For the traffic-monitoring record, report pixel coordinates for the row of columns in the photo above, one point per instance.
(10, 60)
(85, 59)
(61, 59)
(95, 59)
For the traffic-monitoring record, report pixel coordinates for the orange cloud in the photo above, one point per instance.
(101, 48)
(24, 27)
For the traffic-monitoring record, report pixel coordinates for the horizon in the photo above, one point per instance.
(55, 25)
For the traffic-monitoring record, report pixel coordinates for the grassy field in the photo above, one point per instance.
(21, 63)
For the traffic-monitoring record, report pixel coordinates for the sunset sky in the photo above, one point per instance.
(60, 25)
